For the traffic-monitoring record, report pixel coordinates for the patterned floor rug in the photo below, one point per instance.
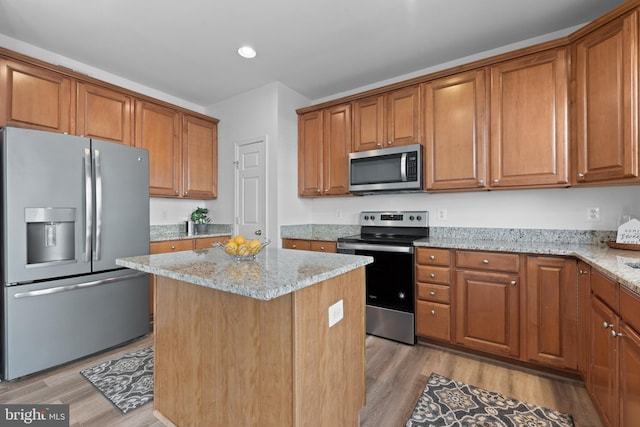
(445, 402)
(126, 381)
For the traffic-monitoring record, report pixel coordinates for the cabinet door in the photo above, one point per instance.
(368, 123)
(158, 130)
(104, 114)
(310, 152)
(455, 131)
(606, 102)
(487, 311)
(551, 318)
(629, 376)
(199, 158)
(403, 117)
(34, 97)
(603, 383)
(336, 148)
(584, 307)
(529, 143)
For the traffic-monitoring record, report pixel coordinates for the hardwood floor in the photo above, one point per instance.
(396, 375)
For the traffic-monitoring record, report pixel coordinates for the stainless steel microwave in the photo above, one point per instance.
(387, 170)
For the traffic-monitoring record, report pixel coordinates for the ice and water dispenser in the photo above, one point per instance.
(50, 235)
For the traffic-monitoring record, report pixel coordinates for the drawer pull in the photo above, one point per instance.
(432, 275)
(432, 257)
(173, 248)
(607, 325)
(432, 293)
(322, 248)
(433, 312)
(485, 261)
(293, 246)
(513, 283)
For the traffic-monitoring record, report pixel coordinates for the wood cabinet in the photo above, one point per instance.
(183, 151)
(529, 121)
(433, 293)
(584, 308)
(199, 158)
(34, 97)
(606, 102)
(551, 312)
(488, 302)
(387, 120)
(629, 361)
(324, 143)
(455, 131)
(310, 245)
(104, 113)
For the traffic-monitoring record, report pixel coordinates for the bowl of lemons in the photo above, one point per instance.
(242, 249)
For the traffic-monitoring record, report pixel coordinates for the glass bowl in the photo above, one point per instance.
(248, 254)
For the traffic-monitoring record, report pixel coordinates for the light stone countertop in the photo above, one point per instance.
(611, 262)
(275, 272)
(159, 233)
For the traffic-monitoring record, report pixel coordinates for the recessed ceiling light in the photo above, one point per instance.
(247, 52)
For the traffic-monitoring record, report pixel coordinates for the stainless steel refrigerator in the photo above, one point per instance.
(70, 207)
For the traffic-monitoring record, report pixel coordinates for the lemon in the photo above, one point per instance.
(239, 239)
(254, 246)
(243, 250)
(231, 247)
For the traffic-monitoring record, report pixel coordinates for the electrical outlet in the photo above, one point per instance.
(593, 214)
(336, 313)
(442, 214)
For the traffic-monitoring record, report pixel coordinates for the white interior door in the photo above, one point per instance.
(250, 188)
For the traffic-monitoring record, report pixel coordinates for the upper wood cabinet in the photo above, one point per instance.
(183, 151)
(158, 131)
(387, 120)
(551, 312)
(200, 158)
(104, 113)
(324, 142)
(34, 97)
(455, 131)
(529, 123)
(606, 102)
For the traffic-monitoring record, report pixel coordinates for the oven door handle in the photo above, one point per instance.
(375, 248)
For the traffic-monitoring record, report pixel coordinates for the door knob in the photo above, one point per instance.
(258, 232)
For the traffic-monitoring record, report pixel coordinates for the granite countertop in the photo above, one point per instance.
(275, 272)
(159, 233)
(613, 263)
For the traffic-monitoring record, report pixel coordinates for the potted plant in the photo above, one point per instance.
(200, 217)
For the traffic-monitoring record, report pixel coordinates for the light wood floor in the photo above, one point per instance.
(396, 375)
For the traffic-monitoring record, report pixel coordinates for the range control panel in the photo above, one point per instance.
(395, 218)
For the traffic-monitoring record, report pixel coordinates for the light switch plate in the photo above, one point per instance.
(336, 313)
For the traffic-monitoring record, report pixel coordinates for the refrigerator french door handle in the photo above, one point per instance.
(67, 288)
(98, 240)
(88, 216)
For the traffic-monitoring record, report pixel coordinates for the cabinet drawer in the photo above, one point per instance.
(323, 246)
(434, 293)
(207, 242)
(630, 308)
(488, 261)
(433, 320)
(432, 256)
(170, 246)
(300, 244)
(432, 274)
(605, 289)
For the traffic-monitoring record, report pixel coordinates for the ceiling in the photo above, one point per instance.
(318, 48)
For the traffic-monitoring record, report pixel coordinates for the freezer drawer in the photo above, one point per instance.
(48, 324)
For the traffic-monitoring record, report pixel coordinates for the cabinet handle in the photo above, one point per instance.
(433, 312)
(173, 248)
(615, 334)
(432, 257)
(322, 248)
(495, 181)
(481, 182)
(326, 190)
(293, 246)
(607, 325)
(485, 261)
(513, 283)
(580, 176)
(583, 272)
(432, 275)
(389, 142)
(186, 193)
(432, 293)
(318, 191)
(378, 145)
(176, 192)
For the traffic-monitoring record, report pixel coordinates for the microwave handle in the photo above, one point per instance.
(403, 167)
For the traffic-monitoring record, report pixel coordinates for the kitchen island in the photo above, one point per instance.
(278, 341)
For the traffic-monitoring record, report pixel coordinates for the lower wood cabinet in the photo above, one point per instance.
(167, 246)
(310, 245)
(551, 312)
(433, 293)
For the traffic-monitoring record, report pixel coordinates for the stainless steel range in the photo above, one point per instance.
(388, 237)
